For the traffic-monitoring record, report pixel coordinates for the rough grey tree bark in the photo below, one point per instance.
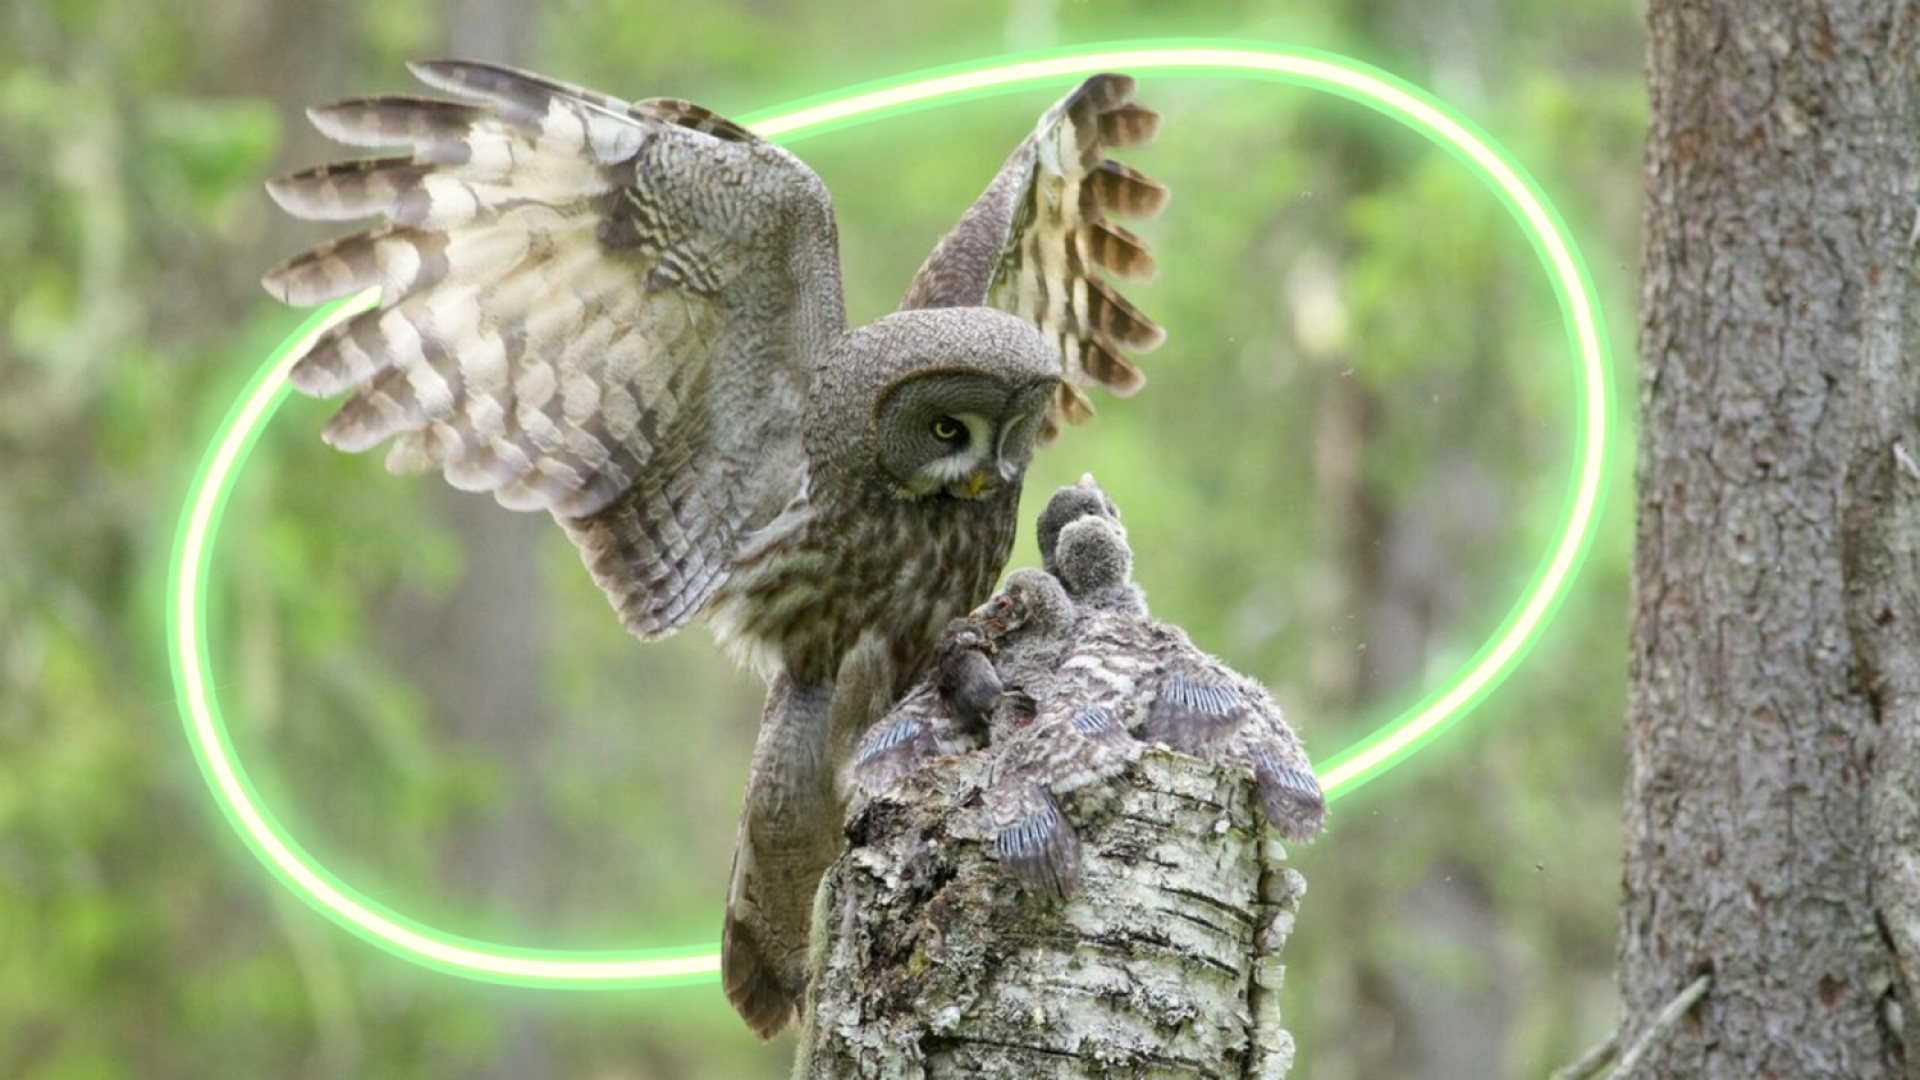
(1167, 963)
(1774, 717)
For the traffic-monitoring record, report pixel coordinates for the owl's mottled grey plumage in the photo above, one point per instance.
(630, 316)
(1089, 678)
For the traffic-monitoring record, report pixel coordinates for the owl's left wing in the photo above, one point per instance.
(1032, 242)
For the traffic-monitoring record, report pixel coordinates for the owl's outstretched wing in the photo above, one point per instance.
(1031, 242)
(602, 310)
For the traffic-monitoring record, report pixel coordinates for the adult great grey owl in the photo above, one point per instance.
(629, 315)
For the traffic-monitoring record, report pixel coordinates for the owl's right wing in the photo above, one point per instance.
(599, 309)
(1033, 241)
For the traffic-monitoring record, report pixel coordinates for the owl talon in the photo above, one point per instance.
(1042, 852)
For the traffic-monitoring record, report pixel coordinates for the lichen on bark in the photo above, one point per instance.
(1166, 962)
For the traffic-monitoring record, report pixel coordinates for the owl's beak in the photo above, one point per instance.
(981, 482)
(985, 480)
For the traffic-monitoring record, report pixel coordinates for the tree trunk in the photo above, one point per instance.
(1774, 715)
(1166, 963)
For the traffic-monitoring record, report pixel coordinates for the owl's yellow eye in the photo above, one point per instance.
(947, 429)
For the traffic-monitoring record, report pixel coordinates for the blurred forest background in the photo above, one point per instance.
(1350, 455)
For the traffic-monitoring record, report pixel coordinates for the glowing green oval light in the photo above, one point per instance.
(1393, 743)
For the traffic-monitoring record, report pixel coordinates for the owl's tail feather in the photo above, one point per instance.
(751, 981)
(751, 986)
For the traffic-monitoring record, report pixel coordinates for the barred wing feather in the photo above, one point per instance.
(586, 307)
(1030, 244)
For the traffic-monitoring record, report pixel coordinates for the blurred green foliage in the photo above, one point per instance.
(1352, 451)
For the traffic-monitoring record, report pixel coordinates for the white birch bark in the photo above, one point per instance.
(1166, 962)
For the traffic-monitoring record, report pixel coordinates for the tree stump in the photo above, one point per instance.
(929, 962)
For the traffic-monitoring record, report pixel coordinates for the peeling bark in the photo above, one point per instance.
(929, 963)
(1774, 718)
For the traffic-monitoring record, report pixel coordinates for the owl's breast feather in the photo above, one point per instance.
(809, 584)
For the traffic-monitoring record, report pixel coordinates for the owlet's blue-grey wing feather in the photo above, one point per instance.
(1033, 240)
(602, 310)
(1203, 708)
(919, 728)
(1068, 746)
(1194, 703)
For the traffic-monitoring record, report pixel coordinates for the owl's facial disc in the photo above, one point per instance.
(959, 434)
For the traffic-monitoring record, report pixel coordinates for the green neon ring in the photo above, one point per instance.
(1391, 744)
